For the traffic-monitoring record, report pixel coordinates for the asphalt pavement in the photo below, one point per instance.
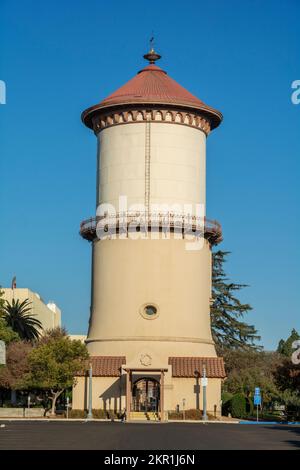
(34, 435)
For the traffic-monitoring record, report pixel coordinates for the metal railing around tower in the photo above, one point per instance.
(125, 222)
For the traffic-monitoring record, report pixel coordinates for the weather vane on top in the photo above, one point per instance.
(152, 56)
(152, 42)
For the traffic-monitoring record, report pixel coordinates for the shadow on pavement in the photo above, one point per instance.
(291, 429)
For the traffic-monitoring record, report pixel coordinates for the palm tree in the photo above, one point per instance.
(17, 316)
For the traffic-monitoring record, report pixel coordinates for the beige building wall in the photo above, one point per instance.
(185, 388)
(177, 172)
(49, 315)
(109, 393)
(127, 275)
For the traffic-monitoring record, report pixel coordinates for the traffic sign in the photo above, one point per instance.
(204, 381)
(257, 391)
(257, 400)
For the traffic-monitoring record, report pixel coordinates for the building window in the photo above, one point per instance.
(149, 311)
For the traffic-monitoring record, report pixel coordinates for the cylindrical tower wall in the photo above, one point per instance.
(177, 165)
(130, 274)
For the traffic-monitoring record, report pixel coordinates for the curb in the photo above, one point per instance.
(81, 420)
(189, 421)
(282, 423)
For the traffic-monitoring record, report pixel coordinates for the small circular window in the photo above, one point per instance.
(149, 311)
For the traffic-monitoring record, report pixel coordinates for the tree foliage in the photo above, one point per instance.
(54, 363)
(18, 316)
(288, 376)
(227, 311)
(240, 406)
(12, 374)
(53, 334)
(7, 334)
(249, 369)
(285, 347)
(2, 301)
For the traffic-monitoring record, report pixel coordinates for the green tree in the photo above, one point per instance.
(12, 374)
(18, 316)
(7, 334)
(285, 346)
(240, 406)
(53, 333)
(288, 377)
(227, 312)
(288, 381)
(249, 369)
(53, 365)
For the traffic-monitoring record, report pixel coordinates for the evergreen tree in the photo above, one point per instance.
(227, 312)
(285, 347)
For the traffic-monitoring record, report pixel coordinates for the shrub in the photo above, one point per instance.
(238, 406)
(97, 414)
(249, 406)
(226, 403)
(77, 414)
(193, 414)
(102, 414)
(175, 415)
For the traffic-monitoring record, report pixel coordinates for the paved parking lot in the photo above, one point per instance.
(117, 436)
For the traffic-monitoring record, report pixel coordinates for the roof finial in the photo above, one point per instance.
(152, 56)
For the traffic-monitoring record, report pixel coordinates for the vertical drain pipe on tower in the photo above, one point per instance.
(147, 168)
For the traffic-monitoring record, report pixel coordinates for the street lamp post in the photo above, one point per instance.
(90, 412)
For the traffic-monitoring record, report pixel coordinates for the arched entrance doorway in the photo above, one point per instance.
(146, 394)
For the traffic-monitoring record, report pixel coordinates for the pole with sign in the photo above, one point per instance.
(204, 385)
(257, 400)
(90, 412)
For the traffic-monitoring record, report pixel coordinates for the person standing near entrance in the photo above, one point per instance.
(123, 416)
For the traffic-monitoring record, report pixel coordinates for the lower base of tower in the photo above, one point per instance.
(151, 391)
(151, 386)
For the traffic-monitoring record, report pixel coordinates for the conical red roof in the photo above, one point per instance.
(152, 85)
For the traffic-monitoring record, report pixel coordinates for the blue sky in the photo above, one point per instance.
(59, 57)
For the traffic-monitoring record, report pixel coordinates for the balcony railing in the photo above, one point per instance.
(126, 222)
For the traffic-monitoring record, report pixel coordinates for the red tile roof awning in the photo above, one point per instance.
(105, 366)
(188, 366)
(111, 366)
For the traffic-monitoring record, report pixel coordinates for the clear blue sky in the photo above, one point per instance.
(59, 57)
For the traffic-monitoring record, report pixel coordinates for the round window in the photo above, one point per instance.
(150, 310)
